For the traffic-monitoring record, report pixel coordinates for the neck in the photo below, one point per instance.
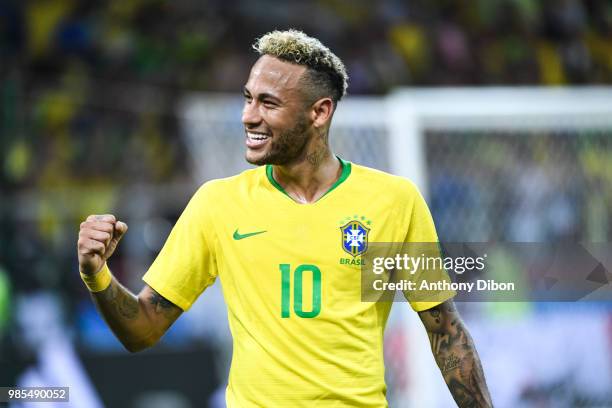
(309, 179)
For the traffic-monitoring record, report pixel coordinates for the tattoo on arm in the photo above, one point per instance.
(125, 304)
(137, 321)
(450, 363)
(456, 356)
(436, 340)
(161, 304)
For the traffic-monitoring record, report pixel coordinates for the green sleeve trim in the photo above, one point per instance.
(346, 172)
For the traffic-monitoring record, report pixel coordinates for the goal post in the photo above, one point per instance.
(523, 164)
(553, 139)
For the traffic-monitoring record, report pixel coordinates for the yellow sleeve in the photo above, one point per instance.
(422, 234)
(186, 265)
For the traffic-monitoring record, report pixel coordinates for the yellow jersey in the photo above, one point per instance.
(290, 277)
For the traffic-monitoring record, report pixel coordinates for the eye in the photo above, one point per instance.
(247, 98)
(269, 104)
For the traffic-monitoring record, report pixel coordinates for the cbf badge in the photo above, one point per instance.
(354, 237)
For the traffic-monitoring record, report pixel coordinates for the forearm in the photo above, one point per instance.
(137, 321)
(126, 316)
(458, 360)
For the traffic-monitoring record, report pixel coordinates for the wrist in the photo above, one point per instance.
(99, 280)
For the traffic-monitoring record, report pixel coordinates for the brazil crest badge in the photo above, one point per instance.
(354, 237)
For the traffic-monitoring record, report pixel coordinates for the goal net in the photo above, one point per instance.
(495, 164)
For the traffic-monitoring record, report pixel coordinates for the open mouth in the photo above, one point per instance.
(255, 140)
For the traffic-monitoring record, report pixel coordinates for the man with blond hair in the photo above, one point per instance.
(286, 239)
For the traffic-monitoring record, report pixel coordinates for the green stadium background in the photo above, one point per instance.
(126, 107)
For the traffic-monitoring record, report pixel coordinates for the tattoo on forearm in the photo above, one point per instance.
(436, 340)
(457, 358)
(125, 305)
(462, 395)
(450, 363)
(162, 305)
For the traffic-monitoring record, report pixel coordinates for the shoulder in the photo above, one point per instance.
(385, 183)
(213, 197)
(213, 190)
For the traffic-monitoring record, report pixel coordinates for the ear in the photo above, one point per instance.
(322, 111)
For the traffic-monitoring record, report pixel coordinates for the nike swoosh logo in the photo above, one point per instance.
(238, 236)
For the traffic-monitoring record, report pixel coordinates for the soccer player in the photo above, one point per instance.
(279, 237)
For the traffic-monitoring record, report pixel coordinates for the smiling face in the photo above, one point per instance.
(275, 116)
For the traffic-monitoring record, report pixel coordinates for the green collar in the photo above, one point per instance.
(346, 171)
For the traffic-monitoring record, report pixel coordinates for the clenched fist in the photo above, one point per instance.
(98, 238)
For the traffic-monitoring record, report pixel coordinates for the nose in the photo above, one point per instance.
(250, 114)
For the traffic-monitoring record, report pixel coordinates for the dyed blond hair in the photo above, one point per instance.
(326, 73)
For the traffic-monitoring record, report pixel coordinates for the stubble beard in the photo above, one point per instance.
(289, 146)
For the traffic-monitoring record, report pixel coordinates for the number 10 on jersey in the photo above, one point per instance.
(298, 279)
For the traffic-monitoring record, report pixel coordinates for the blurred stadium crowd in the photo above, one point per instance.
(89, 94)
(553, 186)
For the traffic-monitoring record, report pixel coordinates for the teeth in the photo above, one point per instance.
(257, 136)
